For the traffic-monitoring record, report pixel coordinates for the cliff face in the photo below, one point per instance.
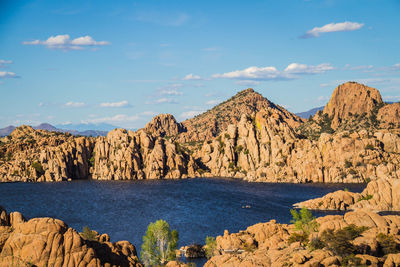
(265, 148)
(137, 155)
(50, 242)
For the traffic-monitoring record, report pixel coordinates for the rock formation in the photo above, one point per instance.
(126, 155)
(38, 155)
(349, 99)
(353, 139)
(379, 195)
(210, 124)
(389, 116)
(268, 244)
(50, 242)
(164, 125)
(265, 148)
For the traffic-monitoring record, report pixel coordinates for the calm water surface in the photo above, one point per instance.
(195, 207)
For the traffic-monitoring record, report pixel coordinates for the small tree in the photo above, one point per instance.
(159, 244)
(305, 223)
(211, 244)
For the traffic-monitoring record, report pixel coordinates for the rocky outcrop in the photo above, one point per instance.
(39, 155)
(164, 125)
(265, 148)
(126, 155)
(389, 116)
(379, 195)
(349, 99)
(210, 124)
(50, 242)
(267, 244)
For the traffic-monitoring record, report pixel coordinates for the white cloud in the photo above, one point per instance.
(396, 66)
(191, 77)
(7, 74)
(247, 83)
(212, 102)
(323, 98)
(119, 118)
(292, 71)
(364, 68)
(391, 98)
(190, 114)
(165, 100)
(172, 89)
(120, 104)
(297, 68)
(148, 113)
(3, 63)
(333, 27)
(251, 73)
(64, 42)
(74, 104)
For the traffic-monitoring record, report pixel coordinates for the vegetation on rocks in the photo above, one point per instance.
(159, 244)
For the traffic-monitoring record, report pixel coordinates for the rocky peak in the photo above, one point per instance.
(350, 99)
(164, 125)
(22, 131)
(211, 123)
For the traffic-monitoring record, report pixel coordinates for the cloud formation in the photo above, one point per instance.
(191, 77)
(64, 42)
(7, 74)
(333, 27)
(396, 66)
(4, 63)
(74, 104)
(165, 100)
(292, 71)
(120, 104)
(190, 114)
(119, 118)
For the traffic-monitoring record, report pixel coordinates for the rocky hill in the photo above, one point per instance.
(50, 242)
(209, 124)
(351, 99)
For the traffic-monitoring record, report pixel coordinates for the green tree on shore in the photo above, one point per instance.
(159, 244)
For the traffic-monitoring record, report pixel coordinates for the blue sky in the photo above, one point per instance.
(122, 62)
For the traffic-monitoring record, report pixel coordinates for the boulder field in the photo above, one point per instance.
(269, 244)
(50, 242)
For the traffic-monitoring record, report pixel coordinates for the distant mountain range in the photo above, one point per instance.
(308, 113)
(85, 129)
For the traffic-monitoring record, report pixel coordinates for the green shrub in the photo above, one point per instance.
(88, 234)
(211, 244)
(38, 167)
(369, 147)
(348, 164)
(367, 197)
(227, 136)
(387, 244)
(303, 222)
(339, 242)
(246, 151)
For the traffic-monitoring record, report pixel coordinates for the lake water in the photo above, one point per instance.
(195, 207)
